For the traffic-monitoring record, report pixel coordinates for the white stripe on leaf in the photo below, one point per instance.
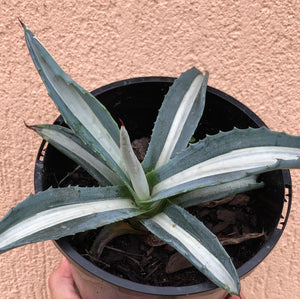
(52, 217)
(194, 247)
(241, 159)
(85, 115)
(71, 96)
(75, 148)
(179, 120)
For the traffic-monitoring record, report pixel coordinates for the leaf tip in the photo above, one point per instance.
(22, 24)
(31, 127)
(26, 125)
(20, 21)
(122, 123)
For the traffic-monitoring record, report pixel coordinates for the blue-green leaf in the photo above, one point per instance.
(225, 157)
(196, 243)
(177, 119)
(60, 212)
(216, 192)
(134, 167)
(88, 118)
(65, 141)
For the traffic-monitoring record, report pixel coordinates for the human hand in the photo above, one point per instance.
(61, 282)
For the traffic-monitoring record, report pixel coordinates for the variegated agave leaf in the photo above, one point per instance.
(178, 118)
(88, 118)
(215, 192)
(134, 168)
(59, 212)
(223, 158)
(196, 243)
(65, 141)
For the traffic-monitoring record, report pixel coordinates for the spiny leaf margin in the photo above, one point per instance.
(214, 149)
(66, 142)
(84, 114)
(94, 207)
(173, 130)
(195, 242)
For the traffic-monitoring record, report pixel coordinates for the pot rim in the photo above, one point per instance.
(91, 269)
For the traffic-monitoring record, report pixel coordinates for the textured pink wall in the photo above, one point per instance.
(251, 49)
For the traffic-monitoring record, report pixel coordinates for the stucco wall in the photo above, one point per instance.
(251, 49)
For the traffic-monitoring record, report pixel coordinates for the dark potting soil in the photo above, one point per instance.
(132, 257)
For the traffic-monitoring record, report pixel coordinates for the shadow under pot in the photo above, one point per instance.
(131, 269)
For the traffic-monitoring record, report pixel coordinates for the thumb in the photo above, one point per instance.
(61, 283)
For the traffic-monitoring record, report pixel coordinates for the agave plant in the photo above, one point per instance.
(174, 174)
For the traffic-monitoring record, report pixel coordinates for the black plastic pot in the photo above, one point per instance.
(136, 101)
